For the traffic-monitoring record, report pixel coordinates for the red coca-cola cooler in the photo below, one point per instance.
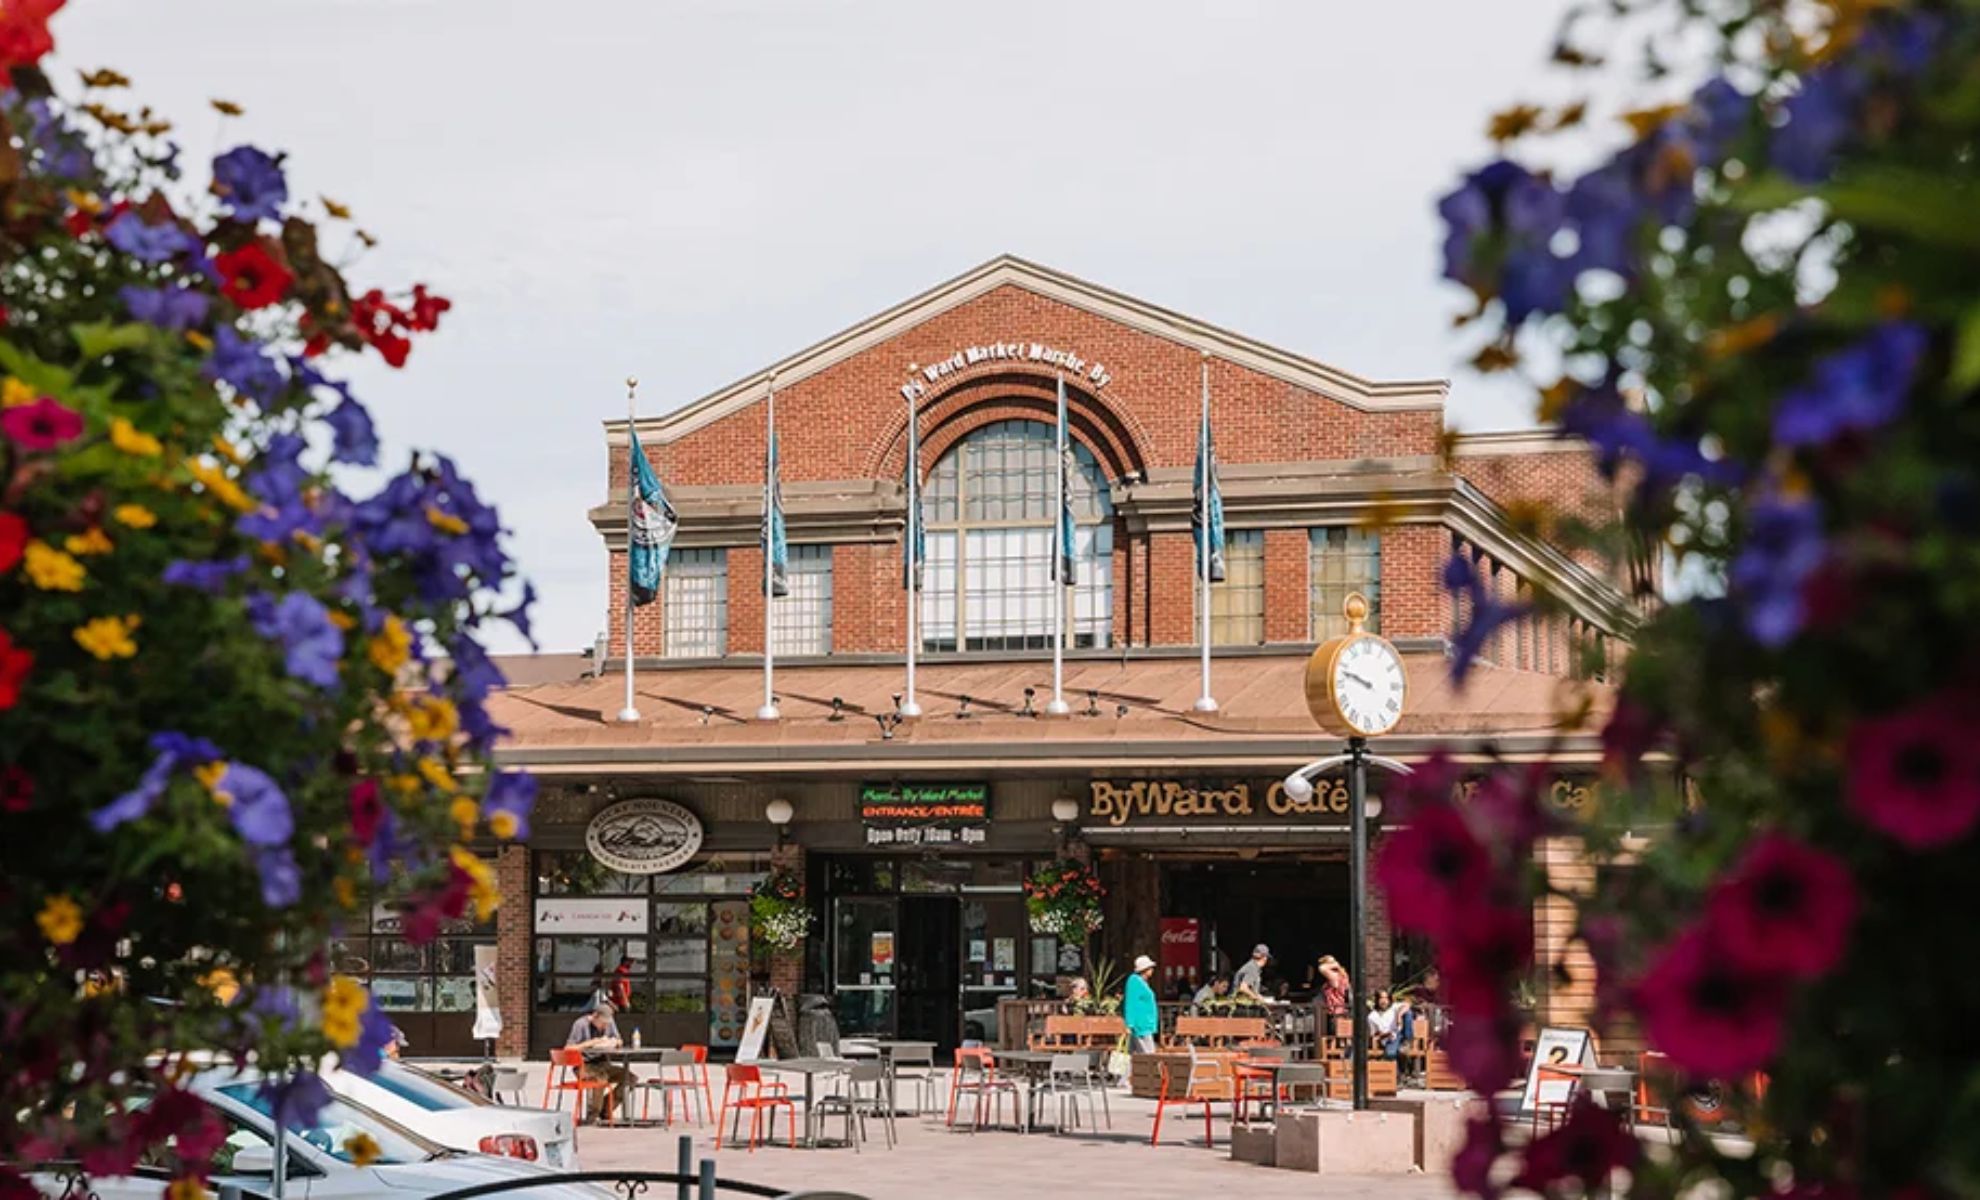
(1182, 953)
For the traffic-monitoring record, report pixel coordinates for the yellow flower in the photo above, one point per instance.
(436, 773)
(198, 340)
(90, 541)
(502, 824)
(481, 882)
(361, 1149)
(209, 774)
(137, 516)
(345, 891)
(432, 719)
(392, 647)
(132, 440)
(53, 571)
(108, 637)
(60, 920)
(465, 813)
(222, 983)
(228, 450)
(219, 486)
(405, 785)
(445, 522)
(344, 1000)
(342, 619)
(14, 393)
(186, 1189)
(308, 541)
(87, 201)
(341, 1028)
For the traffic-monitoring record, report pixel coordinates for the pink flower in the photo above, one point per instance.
(1786, 908)
(1707, 1010)
(42, 425)
(1432, 871)
(1485, 1050)
(1589, 1146)
(1489, 946)
(1915, 774)
(366, 810)
(1471, 1166)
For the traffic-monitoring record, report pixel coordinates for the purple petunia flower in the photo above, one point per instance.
(1502, 198)
(355, 441)
(1485, 612)
(208, 577)
(148, 243)
(241, 364)
(260, 810)
(251, 183)
(277, 1001)
(1621, 435)
(1855, 390)
(173, 308)
(375, 1033)
(172, 751)
(474, 673)
(278, 474)
(311, 642)
(295, 1102)
(512, 792)
(519, 616)
(281, 877)
(1784, 546)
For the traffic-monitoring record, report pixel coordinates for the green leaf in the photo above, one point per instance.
(1966, 350)
(101, 337)
(1931, 208)
(43, 377)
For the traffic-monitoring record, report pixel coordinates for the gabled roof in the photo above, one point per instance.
(1009, 271)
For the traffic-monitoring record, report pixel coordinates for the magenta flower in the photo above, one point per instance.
(1786, 908)
(42, 425)
(1483, 951)
(1707, 1010)
(1471, 1166)
(1589, 1146)
(1485, 1050)
(1432, 871)
(1915, 774)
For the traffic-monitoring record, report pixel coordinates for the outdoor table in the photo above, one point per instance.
(811, 1069)
(1036, 1067)
(626, 1056)
(1603, 1082)
(1268, 1067)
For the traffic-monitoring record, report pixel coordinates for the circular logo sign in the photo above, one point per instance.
(643, 837)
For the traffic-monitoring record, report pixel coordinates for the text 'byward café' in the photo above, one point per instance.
(913, 838)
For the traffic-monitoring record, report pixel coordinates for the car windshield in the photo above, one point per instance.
(339, 1122)
(415, 1086)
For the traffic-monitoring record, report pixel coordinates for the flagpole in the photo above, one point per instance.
(769, 710)
(630, 713)
(1206, 703)
(1057, 706)
(910, 708)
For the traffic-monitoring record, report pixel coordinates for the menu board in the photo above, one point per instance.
(728, 971)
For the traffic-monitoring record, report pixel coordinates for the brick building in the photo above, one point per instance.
(1332, 484)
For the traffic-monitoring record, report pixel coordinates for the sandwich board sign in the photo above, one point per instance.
(755, 1029)
(1555, 1048)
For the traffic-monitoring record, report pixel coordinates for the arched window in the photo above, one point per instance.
(988, 510)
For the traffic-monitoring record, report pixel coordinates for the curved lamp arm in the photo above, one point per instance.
(1299, 784)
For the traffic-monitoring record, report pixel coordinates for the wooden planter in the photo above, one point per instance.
(1220, 1031)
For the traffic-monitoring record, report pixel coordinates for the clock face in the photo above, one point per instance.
(1368, 685)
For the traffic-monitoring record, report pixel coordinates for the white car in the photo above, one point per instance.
(458, 1118)
(319, 1165)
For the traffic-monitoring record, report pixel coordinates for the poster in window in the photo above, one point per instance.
(883, 951)
(1005, 953)
(979, 950)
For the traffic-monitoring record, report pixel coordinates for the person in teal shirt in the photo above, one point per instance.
(1138, 1009)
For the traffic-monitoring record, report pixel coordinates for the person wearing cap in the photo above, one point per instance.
(1249, 984)
(595, 1031)
(1138, 1007)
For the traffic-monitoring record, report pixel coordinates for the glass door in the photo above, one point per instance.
(928, 969)
(865, 939)
(993, 930)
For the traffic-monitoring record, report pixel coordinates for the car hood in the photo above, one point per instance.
(468, 1170)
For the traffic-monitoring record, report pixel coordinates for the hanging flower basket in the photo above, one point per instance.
(1063, 898)
(778, 915)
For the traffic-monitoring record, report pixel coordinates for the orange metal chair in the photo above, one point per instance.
(1200, 1087)
(1553, 1110)
(745, 1082)
(566, 1078)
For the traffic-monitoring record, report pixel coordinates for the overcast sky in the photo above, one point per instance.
(688, 191)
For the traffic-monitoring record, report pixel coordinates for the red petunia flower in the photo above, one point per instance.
(1471, 1166)
(24, 35)
(1432, 871)
(1589, 1146)
(78, 222)
(16, 790)
(426, 309)
(15, 664)
(1915, 774)
(366, 810)
(252, 277)
(1484, 950)
(13, 540)
(1485, 1050)
(1715, 1018)
(1786, 908)
(42, 425)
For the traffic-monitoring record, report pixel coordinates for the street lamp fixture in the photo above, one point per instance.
(779, 813)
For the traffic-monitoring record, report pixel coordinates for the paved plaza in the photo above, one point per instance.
(933, 1161)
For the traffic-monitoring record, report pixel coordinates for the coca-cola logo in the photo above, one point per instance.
(1183, 936)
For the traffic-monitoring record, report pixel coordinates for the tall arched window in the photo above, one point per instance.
(988, 508)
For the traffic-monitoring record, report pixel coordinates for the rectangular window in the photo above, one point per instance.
(1237, 605)
(802, 623)
(696, 611)
(1341, 561)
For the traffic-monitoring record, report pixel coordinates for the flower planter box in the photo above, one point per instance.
(1219, 1031)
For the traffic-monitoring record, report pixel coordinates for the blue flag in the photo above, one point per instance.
(774, 548)
(651, 523)
(917, 537)
(1063, 536)
(1206, 511)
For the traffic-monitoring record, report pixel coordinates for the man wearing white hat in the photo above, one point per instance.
(1138, 1009)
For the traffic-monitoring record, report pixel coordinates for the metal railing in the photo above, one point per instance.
(693, 1181)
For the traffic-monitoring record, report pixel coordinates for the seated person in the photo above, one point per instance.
(1216, 989)
(596, 1030)
(1390, 1025)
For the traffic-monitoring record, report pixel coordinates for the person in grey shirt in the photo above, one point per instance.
(596, 1030)
(1249, 983)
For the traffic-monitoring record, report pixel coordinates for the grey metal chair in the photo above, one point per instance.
(865, 1096)
(508, 1084)
(917, 1066)
(673, 1080)
(1071, 1076)
(1309, 1077)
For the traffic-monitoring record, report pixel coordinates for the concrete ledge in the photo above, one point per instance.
(1254, 1144)
(1439, 1122)
(1333, 1142)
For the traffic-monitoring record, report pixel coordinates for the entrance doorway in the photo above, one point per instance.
(1299, 909)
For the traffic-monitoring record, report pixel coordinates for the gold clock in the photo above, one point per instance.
(1355, 683)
